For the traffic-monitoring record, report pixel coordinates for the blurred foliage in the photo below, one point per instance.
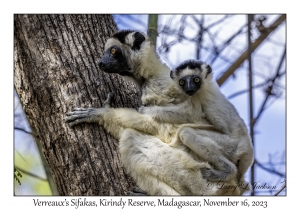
(17, 174)
(30, 185)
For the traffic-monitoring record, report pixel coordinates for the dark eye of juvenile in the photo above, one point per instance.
(197, 79)
(181, 82)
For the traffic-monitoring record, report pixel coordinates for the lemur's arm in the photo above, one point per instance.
(113, 120)
(184, 113)
(174, 114)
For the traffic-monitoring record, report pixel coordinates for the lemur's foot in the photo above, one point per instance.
(211, 175)
(136, 191)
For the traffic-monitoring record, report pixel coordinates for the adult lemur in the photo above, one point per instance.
(195, 78)
(158, 168)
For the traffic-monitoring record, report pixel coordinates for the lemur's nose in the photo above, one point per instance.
(101, 65)
(190, 92)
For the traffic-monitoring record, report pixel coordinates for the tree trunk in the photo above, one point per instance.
(55, 60)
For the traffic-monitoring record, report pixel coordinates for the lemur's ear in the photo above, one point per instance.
(138, 40)
(172, 74)
(208, 70)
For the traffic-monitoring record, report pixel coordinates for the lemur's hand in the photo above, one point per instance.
(145, 110)
(142, 109)
(107, 103)
(85, 115)
(88, 115)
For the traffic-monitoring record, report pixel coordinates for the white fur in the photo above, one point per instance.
(159, 90)
(234, 145)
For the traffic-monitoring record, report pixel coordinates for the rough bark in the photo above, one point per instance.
(55, 60)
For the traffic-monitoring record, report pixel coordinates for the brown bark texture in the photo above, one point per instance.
(55, 70)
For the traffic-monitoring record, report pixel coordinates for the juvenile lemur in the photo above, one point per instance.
(157, 168)
(195, 79)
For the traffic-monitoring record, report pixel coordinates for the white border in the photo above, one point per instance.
(54, 6)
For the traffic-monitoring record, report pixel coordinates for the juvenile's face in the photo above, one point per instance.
(191, 75)
(190, 84)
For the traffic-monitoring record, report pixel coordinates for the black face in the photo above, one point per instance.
(190, 84)
(113, 61)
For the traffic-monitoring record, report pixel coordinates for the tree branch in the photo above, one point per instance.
(269, 170)
(264, 34)
(270, 88)
(279, 191)
(31, 174)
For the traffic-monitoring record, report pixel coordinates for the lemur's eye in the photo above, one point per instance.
(181, 82)
(197, 79)
(113, 51)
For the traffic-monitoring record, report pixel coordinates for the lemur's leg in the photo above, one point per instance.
(244, 162)
(139, 153)
(202, 143)
(160, 169)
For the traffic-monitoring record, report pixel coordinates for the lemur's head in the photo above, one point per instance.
(122, 51)
(191, 75)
